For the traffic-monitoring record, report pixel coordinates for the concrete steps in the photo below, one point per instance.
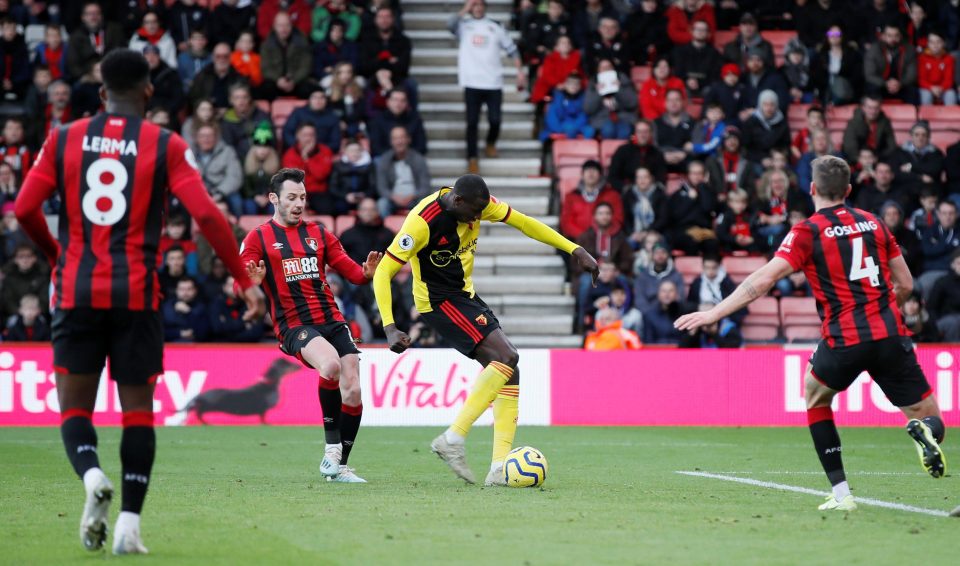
(511, 111)
(448, 6)
(499, 228)
(531, 149)
(519, 284)
(484, 264)
(499, 166)
(556, 323)
(453, 93)
(453, 129)
(437, 20)
(442, 56)
(447, 74)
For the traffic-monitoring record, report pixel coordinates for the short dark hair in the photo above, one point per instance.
(947, 202)
(817, 109)
(472, 188)
(284, 175)
(603, 204)
(124, 70)
(832, 177)
(174, 248)
(188, 279)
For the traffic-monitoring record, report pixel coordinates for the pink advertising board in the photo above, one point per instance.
(753, 387)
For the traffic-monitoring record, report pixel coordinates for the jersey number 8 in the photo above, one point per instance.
(104, 204)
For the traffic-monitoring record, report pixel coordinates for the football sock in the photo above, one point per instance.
(127, 521)
(330, 402)
(506, 408)
(826, 440)
(138, 445)
(349, 427)
(489, 382)
(79, 440)
(936, 427)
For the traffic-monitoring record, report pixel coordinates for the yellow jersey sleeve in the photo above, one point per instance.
(496, 211)
(499, 211)
(411, 238)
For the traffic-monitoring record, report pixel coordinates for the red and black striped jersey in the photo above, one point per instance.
(113, 174)
(845, 254)
(296, 282)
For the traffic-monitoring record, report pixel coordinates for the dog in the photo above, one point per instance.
(254, 400)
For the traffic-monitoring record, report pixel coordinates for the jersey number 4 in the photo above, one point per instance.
(863, 266)
(104, 203)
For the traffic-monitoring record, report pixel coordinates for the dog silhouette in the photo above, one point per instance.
(254, 400)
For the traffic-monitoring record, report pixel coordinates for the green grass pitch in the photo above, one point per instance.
(252, 495)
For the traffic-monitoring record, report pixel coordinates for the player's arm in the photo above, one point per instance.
(902, 279)
(338, 259)
(40, 184)
(757, 285)
(411, 238)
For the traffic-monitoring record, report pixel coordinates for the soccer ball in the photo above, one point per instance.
(525, 467)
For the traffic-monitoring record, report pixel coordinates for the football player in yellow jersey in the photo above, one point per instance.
(439, 239)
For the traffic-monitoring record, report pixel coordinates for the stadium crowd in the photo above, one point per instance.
(679, 133)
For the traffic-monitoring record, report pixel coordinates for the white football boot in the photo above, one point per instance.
(93, 522)
(455, 455)
(330, 465)
(495, 476)
(846, 503)
(348, 475)
(126, 535)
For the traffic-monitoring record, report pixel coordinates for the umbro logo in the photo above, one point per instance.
(277, 246)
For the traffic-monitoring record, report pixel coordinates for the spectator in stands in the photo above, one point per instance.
(602, 240)
(683, 16)
(13, 149)
(767, 129)
(185, 317)
(22, 275)
(230, 19)
(609, 335)
(643, 258)
(646, 30)
(759, 78)
(939, 242)
(185, 17)
(919, 163)
(729, 93)
(29, 324)
(92, 40)
(176, 233)
(607, 43)
(586, 18)
(167, 86)
(674, 131)
(697, 63)
(260, 163)
(368, 233)
(611, 103)
(11, 236)
(14, 61)
(386, 44)
(952, 169)
(689, 213)
(802, 139)
(480, 74)
(151, 33)
(875, 18)
(862, 172)
(917, 319)
(399, 113)
(658, 318)
(335, 11)
(653, 91)
(194, 58)
(945, 300)
(578, 208)
(297, 11)
(737, 224)
(749, 41)
(9, 186)
(402, 175)
(226, 317)
(796, 69)
(883, 189)
(647, 280)
(242, 119)
(246, 61)
(731, 168)
(566, 116)
(377, 92)
(557, 66)
(918, 27)
(639, 152)
(51, 52)
(707, 135)
(219, 167)
(204, 114)
(542, 32)
(351, 180)
(315, 112)
(869, 127)
(336, 48)
(935, 73)
(35, 104)
(643, 203)
(837, 69)
(620, 300)
(608, 278)
(890, 67)
(925, 216)
(892, 215)
(345, 97)
(819, 146)
(215, 80)
(713, 285)
(173, 269)
(316, 160)
(286, 61)
(207, 262)
(722, 334)
(85, 95)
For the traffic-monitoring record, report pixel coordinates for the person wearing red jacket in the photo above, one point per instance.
(576, 212)
(316, 160)
(653, 91)
(300, 12)
(935, 73)
(557, 66)
(680, 18)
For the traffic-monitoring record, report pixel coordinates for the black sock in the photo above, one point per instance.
(80, 440)
(349, 427)
(936, 427)
(138, 445)
(826, 440)
(330, 402)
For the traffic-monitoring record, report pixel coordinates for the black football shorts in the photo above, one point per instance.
(462, 322)
(891, 363)
(337, 333)
(84, 338)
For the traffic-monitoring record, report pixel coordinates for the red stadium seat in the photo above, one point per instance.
(765, 311)
(571, 154)
(695, 109)
(328, 222)
(394, 222)
(566, 185)
(344, 223)
(249, 222)
(738, 268)
(944, 139)
(639, 74)
(798, 112)
(607, 149)
(902, 135)
(689, 267)
(722, 37)
(264, 105)
(778, 40)
(799, 311)
(802, 333)
(941, 118)
(836, 138)
(674, 182)
(282, 108)
(900, 112)
(841, 114)
(759, 332)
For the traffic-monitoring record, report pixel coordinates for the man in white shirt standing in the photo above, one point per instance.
(481, 72)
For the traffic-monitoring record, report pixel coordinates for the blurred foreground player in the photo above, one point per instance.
(114, 173)
(439, 239)
(859, 278)
(289, 257)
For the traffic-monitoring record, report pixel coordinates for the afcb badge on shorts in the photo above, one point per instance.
(481, 320)
(312, 242)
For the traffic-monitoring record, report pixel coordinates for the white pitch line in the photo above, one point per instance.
(814, 473)
(808, 491)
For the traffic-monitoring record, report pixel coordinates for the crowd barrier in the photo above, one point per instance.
(752, 387)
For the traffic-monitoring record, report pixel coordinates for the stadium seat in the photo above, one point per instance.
(607, 149)
(797, 116)
(689, 267)
(722, 37)
(836, 138)
(344, 223)
(394, 222)
(282, 108)
(264, 105)
(902, 135)
(639, 74)
(802, 333)
(566, 185)
(327, 221)
(902, 116)
(778, 40)
(840, 115)
(251, 221)
(765, 311)
(942, 118)
(799, 311)
(571, 154)
(674, 182)
(695, 109)
(759, 332)
(944, 139)
(738, 268)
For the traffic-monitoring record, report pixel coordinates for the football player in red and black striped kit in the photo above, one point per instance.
(288, 256)
(859, 279)
(114, 173)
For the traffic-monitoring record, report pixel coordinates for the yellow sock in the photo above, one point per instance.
(489, 382)
(506, 408)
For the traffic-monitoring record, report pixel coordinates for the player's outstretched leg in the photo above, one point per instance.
(77, 395)
(826, 441)
(322, 356)
(927, 430)
(138, 447)
(506, 407)
(351, 413)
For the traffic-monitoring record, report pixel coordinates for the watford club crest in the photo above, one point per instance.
(312, 242)
(481, 319)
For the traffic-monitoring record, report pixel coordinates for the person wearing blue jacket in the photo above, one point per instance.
(708, 133)
(316, 113)
(566, 114)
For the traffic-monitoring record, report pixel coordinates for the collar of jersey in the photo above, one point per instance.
(285, 227)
